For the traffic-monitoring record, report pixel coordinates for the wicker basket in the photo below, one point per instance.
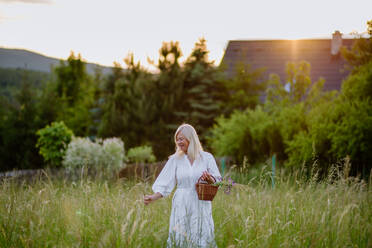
(206, 192)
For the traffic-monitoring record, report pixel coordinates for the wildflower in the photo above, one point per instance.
(226, 184)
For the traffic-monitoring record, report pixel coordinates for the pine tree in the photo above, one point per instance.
(201, 101)
(74, 91)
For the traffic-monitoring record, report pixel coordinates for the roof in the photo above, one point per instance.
(275, 54)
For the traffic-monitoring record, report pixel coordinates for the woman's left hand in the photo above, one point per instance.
(206, 176)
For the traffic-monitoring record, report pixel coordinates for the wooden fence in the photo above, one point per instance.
(142, 171)
(151, 171)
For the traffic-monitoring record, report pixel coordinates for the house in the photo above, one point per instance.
(322, 54)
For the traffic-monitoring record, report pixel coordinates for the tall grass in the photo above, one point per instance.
(97, 213)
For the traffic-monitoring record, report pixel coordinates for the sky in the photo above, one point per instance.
(108, 30)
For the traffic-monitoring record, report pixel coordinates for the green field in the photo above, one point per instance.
(96, 213)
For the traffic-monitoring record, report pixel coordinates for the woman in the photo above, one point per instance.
(191, 223)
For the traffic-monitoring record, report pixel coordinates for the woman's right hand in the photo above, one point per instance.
(147, 199)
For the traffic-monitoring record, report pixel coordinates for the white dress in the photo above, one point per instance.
(191, 223)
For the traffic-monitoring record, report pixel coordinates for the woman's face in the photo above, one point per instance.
(182, 142)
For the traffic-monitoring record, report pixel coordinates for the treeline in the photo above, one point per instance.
(134, 104)
(303, 125)
(11, 80)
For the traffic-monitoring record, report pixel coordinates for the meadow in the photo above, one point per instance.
(50, 212)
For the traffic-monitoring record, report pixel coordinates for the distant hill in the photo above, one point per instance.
(24, 59)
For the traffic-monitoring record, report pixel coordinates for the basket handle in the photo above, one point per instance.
(207, 182)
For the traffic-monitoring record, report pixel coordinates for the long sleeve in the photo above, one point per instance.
(212, 168)
(166, 181)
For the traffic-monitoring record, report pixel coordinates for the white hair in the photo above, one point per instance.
(195, 148)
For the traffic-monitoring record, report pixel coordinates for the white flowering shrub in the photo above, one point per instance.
(112, 153)
(102, 154)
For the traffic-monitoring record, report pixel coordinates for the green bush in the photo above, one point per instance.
(252, 134)
(323, 128)
(53, 141)
(141, 154)
(102, 154)
(338, 127)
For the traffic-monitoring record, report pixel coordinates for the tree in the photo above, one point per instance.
(361, 51)
(19, 122)
(166, 96)
(244, 89)
(127, 110)
(202, 99)
(75, 94)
